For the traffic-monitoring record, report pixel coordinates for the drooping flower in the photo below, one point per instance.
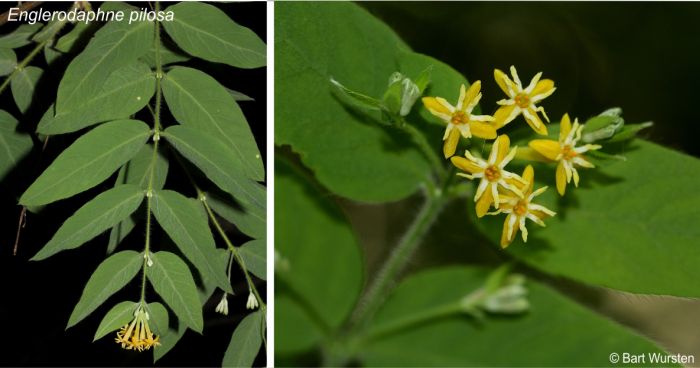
(459, 119)
(565, 152)
(492, 173)
(521, 209)
(522, 100)
(252, 302)
(137, 335)
(222, 307)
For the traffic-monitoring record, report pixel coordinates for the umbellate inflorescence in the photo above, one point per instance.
(506, 192)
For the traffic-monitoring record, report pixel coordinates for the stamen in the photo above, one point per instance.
(492, 173)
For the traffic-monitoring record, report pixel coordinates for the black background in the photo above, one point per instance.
(36, 298)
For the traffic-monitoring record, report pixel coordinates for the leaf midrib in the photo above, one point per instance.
(214, 121)
(193, 243)
(166, 278)
(218, 38)
(91, 162)
(114, 208)
(105, 55)
(251, 199)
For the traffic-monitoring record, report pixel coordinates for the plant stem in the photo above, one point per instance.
(386, 277)
(233, 250)
(154, 158)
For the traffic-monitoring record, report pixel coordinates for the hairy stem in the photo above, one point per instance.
(154, 158)
(387, 275)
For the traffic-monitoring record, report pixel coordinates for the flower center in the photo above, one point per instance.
(520, 209)
(460, 117)
(522, 100)
(568, 152)
(492, 173)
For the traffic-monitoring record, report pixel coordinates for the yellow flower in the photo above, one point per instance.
(522, 100)
(566, 152)
(491, 172)
(137, 335)
(459, 118)
(520, 209)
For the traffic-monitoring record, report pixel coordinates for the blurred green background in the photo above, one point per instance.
(641, 57)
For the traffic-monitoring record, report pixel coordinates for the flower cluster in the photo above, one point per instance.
(509, 193)
(137, 335)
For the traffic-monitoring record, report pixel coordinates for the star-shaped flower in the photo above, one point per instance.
(565, 152)
(522, 100)
(521, 209)
(492, 173)
(459, 119)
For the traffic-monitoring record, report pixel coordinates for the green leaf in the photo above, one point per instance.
(325, 265)
(159, 319)
(109, 277)
(551, 333)
(93, 218)
(77, 38)
(631, 225)
(239, 96)
(254, 254)
(87, 162)
(249, 219)
(329, 134)
(8, 61)
(245, 342)
(137, 172)
(115, 45)
(125, 92)
(23, 85)
(295, 330)
(14, 145)
(185, 221)
(198, 101)
(19, 37)
(361, 100)
(173, 281)
(117, 317)
(206, 32)
(215, 159)
(170, 339)
(169, 54)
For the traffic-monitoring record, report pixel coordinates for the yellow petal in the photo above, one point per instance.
(529, 177)
(546, 147)
(544, 87)
(505, 239)
(502, 144)
(564, 127)
(534, 121)
(483, 130)
(450, 146)
(471, 94)
(435, 106)
(503, 115)
(484, 203)
(539, 214)
(465, 165)
(503, 81)
(561, 179)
